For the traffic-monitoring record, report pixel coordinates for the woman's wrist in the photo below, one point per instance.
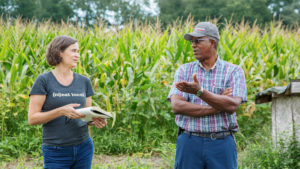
(60, 111)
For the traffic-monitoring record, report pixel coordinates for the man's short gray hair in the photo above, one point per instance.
(216, 40)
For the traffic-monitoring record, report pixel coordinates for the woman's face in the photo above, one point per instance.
(70, 56)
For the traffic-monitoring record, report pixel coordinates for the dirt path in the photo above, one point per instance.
(99, 161)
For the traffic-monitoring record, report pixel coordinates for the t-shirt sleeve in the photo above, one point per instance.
(238, 84)
(179, 76)
(39, 86)
(89, 88)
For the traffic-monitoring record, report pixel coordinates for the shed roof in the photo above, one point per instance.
(292, 88)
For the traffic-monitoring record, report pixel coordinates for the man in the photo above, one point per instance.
(204, 96)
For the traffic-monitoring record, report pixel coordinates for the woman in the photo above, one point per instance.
(54, 98)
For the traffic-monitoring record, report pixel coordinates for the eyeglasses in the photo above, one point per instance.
(197, 41)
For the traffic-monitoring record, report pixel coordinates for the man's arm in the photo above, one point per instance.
(220, 102)
(228, 104)
(181, 106)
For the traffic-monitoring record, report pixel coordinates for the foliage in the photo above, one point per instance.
(111, 11)
(253, 127)
(85, 12)
(252, 11)
(118, 12)
(132, 70)
(231, 10)
(286, 156)
(287, 10)
(55, 10)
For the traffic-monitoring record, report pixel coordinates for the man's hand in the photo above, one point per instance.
(193, 87)
(189, 87)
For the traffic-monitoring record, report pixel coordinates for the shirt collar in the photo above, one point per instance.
(216, 63)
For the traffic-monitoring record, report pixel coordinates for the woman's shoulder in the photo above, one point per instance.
(44, 76)
(81, 77)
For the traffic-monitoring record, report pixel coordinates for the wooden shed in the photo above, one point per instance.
(285, 110)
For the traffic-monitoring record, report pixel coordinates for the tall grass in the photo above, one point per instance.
(132, 70)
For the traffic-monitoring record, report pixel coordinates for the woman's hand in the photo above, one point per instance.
(69, 111)
(99, 122)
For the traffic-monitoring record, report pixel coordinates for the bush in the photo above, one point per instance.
(286, 156)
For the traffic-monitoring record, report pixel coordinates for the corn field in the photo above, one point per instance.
(132, 70)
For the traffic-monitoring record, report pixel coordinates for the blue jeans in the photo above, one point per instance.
(72, 157)
(194, 152)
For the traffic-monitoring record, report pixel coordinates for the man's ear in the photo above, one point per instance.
(214, 43)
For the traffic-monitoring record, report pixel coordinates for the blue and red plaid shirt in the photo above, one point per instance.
(220, 77)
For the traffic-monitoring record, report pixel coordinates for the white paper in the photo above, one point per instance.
(89, 113)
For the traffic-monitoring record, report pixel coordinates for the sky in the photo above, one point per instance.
(152, 9)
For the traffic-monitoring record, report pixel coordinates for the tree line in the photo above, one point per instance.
(120, 11)
(259, 11)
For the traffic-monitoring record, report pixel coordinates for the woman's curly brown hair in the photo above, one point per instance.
(57, 45)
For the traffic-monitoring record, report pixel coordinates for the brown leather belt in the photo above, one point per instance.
(213, 136)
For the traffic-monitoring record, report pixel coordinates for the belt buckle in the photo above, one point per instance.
(213, 136)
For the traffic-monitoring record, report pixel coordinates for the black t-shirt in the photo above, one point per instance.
(63, 131)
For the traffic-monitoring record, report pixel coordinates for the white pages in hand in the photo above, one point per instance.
(91, 112)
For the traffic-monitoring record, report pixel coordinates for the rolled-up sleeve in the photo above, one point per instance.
(238, 84)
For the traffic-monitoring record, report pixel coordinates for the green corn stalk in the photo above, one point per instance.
(132, 68)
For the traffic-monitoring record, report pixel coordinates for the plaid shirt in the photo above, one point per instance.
(223, 75)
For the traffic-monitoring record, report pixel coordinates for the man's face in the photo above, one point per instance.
(202, 47)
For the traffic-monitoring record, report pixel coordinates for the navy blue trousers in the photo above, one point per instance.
(194, 152)
(69, 157)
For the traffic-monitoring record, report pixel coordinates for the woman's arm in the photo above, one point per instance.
(35, 116)
(88, 102)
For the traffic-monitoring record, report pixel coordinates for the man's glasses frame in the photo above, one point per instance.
(197, 41)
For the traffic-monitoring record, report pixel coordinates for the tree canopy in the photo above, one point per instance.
(120, 11)
(259, 11)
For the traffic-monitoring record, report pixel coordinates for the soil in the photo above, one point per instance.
(99, 160)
